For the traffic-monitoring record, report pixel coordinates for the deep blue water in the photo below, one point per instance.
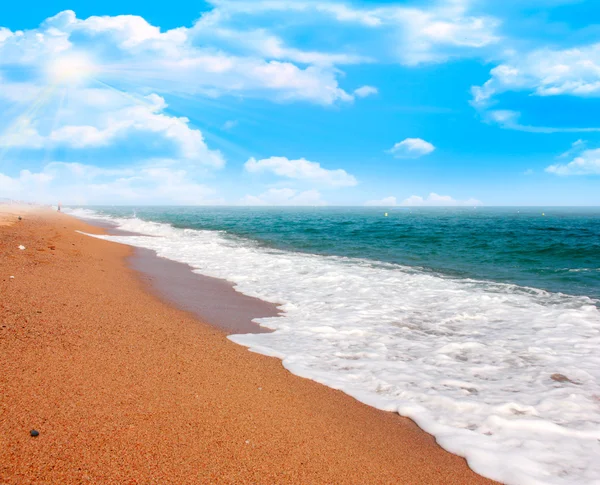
(558, 251)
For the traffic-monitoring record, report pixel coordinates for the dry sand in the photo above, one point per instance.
(126, 389)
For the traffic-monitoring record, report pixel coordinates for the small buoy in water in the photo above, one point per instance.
(34, 433)
(385, 214)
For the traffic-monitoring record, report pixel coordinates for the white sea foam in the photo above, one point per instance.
(472, 362)
(87, 214)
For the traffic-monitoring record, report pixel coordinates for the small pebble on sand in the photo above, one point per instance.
(34, 433)
(21, 247)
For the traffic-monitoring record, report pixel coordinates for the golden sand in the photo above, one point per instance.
(123, 388)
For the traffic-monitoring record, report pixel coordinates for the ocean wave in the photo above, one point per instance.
(504, 375)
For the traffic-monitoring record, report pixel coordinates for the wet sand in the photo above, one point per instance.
(212, 300)
(125, 388)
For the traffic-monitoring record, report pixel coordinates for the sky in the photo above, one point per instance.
(301, 102)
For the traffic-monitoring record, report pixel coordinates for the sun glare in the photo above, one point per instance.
(70, 69)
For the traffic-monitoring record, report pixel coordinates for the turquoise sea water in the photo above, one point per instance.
(558, 251)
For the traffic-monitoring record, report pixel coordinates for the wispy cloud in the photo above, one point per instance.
(510, 120)
(583, 161)
(442, 31)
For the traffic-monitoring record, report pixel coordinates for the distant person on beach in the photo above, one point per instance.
(58, 210)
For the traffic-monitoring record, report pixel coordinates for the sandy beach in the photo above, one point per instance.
(126, 388)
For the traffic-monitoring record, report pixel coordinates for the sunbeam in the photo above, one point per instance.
(219, 140)
(23, 122)
(55, 122)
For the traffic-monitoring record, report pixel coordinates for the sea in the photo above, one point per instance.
(480, 324)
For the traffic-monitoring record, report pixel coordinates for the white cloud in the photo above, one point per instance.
(411, 148)
(22, 92)
(75, 183)
(387, 201)
(85, 136)
(21, 134)
(301, 169)
(586, 163)
(435, 200)
(4, 34)
(286, 196)
(543, 72)
(142, 118)
(232, 49)
(365, 91)
(127, 49)
(130, 31)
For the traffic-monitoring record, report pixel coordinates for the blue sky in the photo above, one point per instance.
(301, 102)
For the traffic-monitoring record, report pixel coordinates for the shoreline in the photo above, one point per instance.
(211, 300)
(124, 386)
